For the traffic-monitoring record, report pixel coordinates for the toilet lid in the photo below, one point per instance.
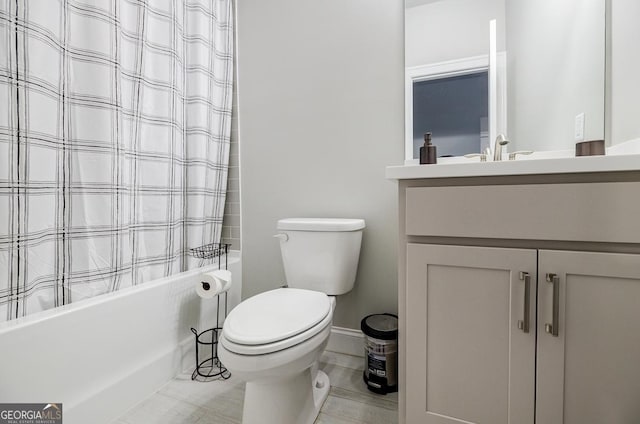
(275, 315)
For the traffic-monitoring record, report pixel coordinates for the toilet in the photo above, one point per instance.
(273, 340)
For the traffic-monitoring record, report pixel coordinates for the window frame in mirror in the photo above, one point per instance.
(453, 68)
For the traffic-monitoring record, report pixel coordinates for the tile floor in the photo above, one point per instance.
(182, 401)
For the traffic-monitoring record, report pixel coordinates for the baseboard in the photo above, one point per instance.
(346, 340)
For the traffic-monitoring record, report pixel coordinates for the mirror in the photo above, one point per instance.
(550, 86)
(623, 86)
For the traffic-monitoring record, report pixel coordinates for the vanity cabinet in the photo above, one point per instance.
(471, 314)
(520, 303)
(467, 360)
(590, 372)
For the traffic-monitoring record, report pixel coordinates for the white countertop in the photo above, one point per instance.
(563, 165)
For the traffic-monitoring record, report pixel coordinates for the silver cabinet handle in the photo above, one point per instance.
(523, 324)
(553, 327)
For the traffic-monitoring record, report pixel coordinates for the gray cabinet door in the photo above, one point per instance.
(589, 373)
(467, 359)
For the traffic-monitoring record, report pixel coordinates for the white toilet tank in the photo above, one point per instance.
(321, 254)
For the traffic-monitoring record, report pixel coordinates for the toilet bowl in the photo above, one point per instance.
(283, 383)
(273, 340)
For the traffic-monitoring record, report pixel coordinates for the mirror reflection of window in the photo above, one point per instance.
(554, 63)
(455, 110)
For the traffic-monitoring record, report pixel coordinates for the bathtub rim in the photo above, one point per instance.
(234, 256)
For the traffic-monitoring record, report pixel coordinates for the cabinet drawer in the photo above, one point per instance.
(596, 212)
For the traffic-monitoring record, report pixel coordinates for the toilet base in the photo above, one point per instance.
(295, 399)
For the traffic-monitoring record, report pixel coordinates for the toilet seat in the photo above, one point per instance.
(276, 320)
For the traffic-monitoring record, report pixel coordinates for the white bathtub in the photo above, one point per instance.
(101, 356)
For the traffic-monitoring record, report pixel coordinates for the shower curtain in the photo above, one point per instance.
(114, 141)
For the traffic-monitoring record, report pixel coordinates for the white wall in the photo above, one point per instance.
(625, 70)
(555, 65)
(321, 115)
(451, 29)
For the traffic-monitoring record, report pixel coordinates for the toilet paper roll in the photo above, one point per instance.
(211, 284)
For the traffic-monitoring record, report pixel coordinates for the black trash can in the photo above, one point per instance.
(381, 352)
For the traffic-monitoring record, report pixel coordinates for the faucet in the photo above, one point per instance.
(513, 155)
(501, 140)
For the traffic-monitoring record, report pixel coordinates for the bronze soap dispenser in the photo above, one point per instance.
(428, 151)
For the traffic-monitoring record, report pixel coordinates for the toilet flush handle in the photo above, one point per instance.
(282, 236)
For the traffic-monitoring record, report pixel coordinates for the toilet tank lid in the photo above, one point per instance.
(320, 224)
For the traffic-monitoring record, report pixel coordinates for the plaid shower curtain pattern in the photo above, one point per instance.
(114, 141)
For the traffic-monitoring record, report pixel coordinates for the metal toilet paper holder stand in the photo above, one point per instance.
(211, 367)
